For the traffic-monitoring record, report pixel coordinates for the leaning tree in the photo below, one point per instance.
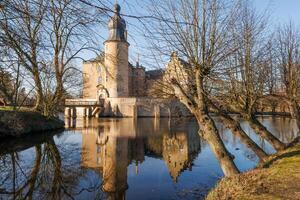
(243, 82)
(288, 62)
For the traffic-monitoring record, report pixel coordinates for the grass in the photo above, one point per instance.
(277, 178)
(11, 108)
(6, 108)
(21, 122)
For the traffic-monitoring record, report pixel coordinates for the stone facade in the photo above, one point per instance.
(143, 107)
(99, 81)
(137, 84)
(92, 77)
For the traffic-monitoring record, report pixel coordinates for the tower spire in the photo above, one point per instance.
(117, 25)
(117, 8)
(138, 60)
(116, 57)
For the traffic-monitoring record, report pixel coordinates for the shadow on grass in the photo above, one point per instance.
(294, 142)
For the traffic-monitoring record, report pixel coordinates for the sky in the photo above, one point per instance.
(280, 11)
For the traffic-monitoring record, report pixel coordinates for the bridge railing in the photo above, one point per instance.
(83, 102)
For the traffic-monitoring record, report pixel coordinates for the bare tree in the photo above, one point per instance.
(272, 71)
(198, 31)
(288, 48)
(244, 80)
(21, 34)
(47, 38)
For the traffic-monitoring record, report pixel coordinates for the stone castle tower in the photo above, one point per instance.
(116, 57)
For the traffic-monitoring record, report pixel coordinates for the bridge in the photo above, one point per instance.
(125, 107)
(83, 107)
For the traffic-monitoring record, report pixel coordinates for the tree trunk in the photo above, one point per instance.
(264, 133)
(210, 133)
(39, 101)
(207, 127)
(35, 170)
(237, 130)
(39, 92)
(295, 113)
(57, 176)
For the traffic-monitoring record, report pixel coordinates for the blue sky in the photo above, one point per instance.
(281, 11)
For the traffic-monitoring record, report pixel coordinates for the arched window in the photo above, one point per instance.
(100, 80)
(99, 69)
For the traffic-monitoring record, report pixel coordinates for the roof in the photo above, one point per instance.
(184, 63)
(154, 74)
(117, 26)
(99, 58)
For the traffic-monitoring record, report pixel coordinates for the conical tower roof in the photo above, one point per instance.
(117, 25)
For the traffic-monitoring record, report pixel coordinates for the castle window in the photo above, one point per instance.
(99, 80)
(99, 69)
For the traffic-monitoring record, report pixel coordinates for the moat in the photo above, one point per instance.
(127, 158)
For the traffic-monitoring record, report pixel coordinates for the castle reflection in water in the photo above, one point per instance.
(110, 145)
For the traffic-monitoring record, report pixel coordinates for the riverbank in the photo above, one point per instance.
(19, 123)
(277, 178)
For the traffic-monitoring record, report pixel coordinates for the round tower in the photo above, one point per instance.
(116, 56)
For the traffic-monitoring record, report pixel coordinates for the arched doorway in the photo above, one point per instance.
(102, 93)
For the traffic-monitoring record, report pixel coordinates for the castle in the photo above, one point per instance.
(111, 75)
(113, 87)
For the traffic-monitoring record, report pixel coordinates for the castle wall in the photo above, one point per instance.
(130, 80)
(144, 107)
(90, 79)
(138, 82)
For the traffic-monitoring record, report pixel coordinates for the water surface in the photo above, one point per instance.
(124, 158)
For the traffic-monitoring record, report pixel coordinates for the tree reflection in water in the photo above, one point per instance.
(50, 166)
(37, 173)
